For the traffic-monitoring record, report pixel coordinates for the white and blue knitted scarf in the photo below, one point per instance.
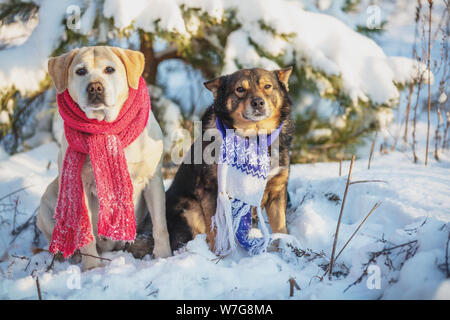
(244, 164)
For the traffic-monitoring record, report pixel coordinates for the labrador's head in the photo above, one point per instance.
(98, 78)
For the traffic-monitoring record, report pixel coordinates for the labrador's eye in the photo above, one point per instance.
(109, 70)
(81, 71)
(267, 86)
(240, 89)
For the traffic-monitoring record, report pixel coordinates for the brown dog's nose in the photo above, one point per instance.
(95, 88)
(257, 102)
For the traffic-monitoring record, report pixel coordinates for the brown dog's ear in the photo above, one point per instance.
(213, 85)
(58, 68)
(134, 62)
(283, 75)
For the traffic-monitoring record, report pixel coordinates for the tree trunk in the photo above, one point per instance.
(151, 64)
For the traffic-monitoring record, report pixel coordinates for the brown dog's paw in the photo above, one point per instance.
(141, 246)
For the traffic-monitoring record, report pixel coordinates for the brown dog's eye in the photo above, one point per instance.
(267, 86)
(240, 89)
(81, 71)
(109, 70)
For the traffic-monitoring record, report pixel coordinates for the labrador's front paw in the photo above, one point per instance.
(162, 249)
(88, 263)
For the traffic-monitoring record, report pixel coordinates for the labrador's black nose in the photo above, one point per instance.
(95, 92)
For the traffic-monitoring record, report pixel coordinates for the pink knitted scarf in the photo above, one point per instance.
(104, 142)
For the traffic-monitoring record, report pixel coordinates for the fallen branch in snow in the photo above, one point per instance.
(340, 216)
(293, 284)
(353, 234)
(38, 250)
(411, 250)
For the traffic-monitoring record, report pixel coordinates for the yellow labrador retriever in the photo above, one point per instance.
(109, 70)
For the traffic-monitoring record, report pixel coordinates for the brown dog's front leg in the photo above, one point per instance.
(275, 201)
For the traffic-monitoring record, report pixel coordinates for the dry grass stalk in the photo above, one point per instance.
(419, 78)
(340, 216)
(353, 234)
(372, 147)
(408, 108)
(430, 5)
(38, 286)
(366, 181)
(359, 227)
(447, 269)
(293, 284)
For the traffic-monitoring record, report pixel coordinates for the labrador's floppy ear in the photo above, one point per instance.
(214, 85)
(283, 75)
(58, 68)
(134, 62)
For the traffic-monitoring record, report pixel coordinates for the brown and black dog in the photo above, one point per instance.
(249, 100)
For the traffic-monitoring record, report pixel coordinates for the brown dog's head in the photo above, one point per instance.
(98, 78)
(252, 99)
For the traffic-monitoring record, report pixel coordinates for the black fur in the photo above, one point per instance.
(195, 185)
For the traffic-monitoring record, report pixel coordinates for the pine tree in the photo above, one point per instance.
(216, 37)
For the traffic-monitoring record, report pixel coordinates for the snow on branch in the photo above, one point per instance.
(270, 34)
(25, 66)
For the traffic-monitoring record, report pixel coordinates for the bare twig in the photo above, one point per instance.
(38, 250)
(50, 267)
(340, 215)
(16, 232)
(367, 181)
(430, 3)
(420, 73)
(14, 192)
(408, 108)
(354, 233)
(412, 249)
(38, 286)
(359, 227)
(340, 167)
(371, 148)
(446, 256)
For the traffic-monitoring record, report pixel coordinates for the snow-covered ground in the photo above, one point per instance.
(402, 245)
(411, 226)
